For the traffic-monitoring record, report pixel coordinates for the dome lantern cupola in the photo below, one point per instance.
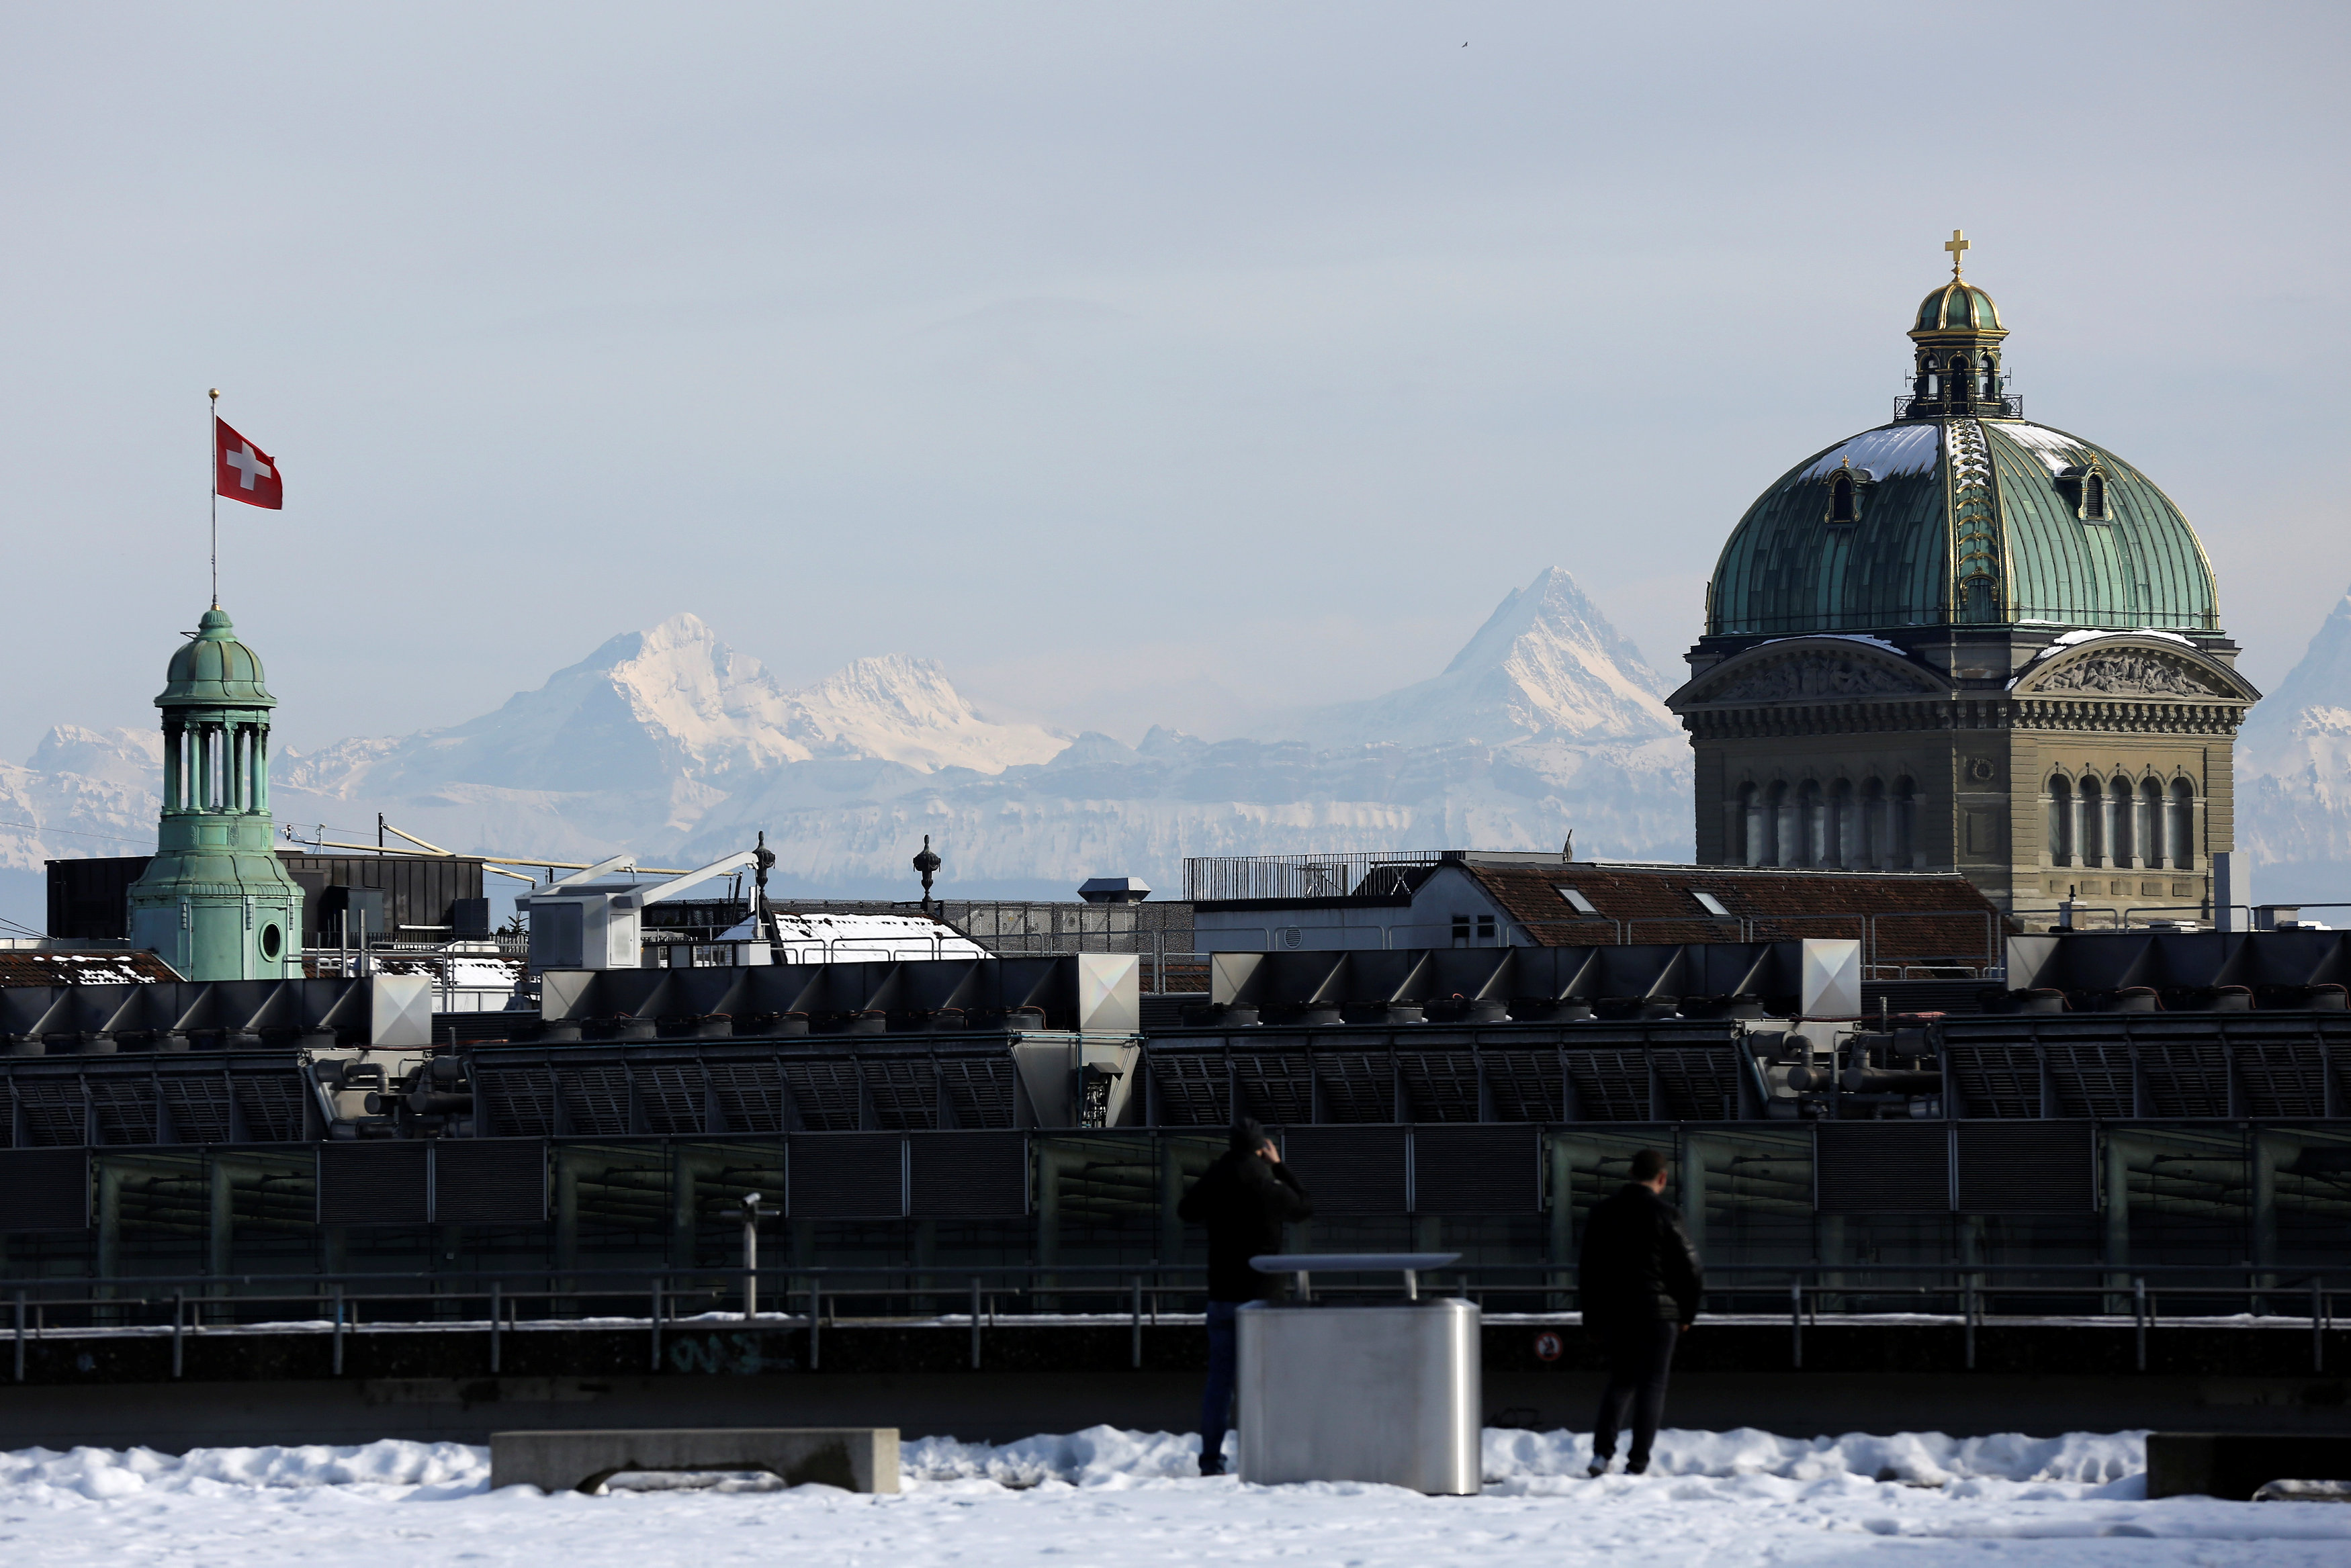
(215, 902)
(1955, 352)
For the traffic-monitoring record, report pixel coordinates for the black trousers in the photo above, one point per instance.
(1640, 1354)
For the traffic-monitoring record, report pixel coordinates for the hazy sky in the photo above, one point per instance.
(1139, 363)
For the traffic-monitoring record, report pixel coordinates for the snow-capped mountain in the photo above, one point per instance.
(667, 742)
(2293, 773)
(1546, 662)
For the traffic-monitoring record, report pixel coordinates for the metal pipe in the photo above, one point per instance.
(2138, 1317)
(1138, 1322)
(20, 1332)
(657, 1325)
(975, 1327)
(497, 1317)
(178, 1318)
(338, 1331)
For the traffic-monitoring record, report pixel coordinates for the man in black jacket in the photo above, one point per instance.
(1244, 1199)
(1640, 1284)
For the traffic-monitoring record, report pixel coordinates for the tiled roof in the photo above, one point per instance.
(1914, 916)
(82, 966)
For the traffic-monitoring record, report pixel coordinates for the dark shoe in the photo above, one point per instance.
(1211, 1465)
(1597, 1468)
(1637, 1467)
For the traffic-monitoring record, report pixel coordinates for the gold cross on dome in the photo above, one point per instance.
(1958, 243)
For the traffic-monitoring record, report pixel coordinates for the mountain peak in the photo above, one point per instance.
(1546, 662)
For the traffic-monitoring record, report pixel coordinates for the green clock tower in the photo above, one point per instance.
(214, 903)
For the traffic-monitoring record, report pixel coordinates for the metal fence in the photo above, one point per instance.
(337, 1307)
(1303, 875)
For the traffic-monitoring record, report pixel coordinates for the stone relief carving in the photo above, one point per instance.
(1813, 675)
(2125, 673)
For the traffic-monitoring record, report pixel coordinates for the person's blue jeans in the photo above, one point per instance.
(1224, 1372)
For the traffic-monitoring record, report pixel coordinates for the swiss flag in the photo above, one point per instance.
(243, 472)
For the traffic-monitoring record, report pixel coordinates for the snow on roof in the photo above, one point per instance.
(2075, 639)
(1899, 449)
(2057, 450)
(1840, 637)
(850, 938)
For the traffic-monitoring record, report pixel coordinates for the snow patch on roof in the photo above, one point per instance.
(1842, 637)
(2056, 451)
(1899, 449)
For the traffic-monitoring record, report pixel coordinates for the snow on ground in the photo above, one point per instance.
(1134, 1500)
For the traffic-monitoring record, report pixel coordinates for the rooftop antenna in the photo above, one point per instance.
(926, 862)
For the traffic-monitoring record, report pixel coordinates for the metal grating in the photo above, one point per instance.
(271, 1106)
(519, 1101)
(489, 1181)
(2282, 1078)
(125, 1108)
(978, 1090)
(968, 1175)
(2184, 1078)
(1883, 1168)
(1439, 1085)
(2027, 1167)
(1997, 1080)
(595, 1100)
(375, 1183)
(2091, 1079)
(1524, 1084)
(44, 1190)
(904, 1091)
(1349, 1170)
(750, 1095)
(1276, 1084)
(1191, 1091)
(672, 1096)
(825, 1094)
(1474, 1171)
(52, 1109)
(1698, 1084)
(848, 1176)
(1356, 1085)
(1610, 1085)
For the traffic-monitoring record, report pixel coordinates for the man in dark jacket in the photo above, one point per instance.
(1244, 1199)
(1640, 1284)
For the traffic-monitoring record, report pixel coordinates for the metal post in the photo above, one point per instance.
(497, 1323)
(1411, 1284)
(657, 1325)
(816, 1306)
(179, 1317)
(1796, 1322)
(1968, 1306)
(2317, 1328)
(2138, 1317)
(20, 1336)
(975, 1323)
(338, 1331)
(1138, 1319)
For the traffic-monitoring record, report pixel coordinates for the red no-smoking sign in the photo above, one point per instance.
(1548, 1346)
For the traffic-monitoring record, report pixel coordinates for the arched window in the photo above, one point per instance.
(1874, 847)
(2061, 822)
(2091, 832)
(1990, 368)
(1905, 824)
(1746, 823)
(2094, 497)
(1845, 832)
(1780, 815)
(2121, 844)
(2150, 823)
(1841, 507)
(2183, 824)
(1812, 824)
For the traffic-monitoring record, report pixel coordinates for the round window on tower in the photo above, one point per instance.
(270, 941)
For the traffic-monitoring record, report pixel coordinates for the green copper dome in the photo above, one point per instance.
(1961, 521)
(1958, 307)
(213, 669)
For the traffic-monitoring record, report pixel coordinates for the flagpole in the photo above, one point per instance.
(211, 488)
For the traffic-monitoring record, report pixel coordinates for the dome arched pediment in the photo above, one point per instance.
(1810, 669)
(2133, 667)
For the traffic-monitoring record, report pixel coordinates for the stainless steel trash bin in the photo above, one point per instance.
(1383, 1391)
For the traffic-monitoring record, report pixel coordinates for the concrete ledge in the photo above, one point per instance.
(855, 1459)
(2235, 1465)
